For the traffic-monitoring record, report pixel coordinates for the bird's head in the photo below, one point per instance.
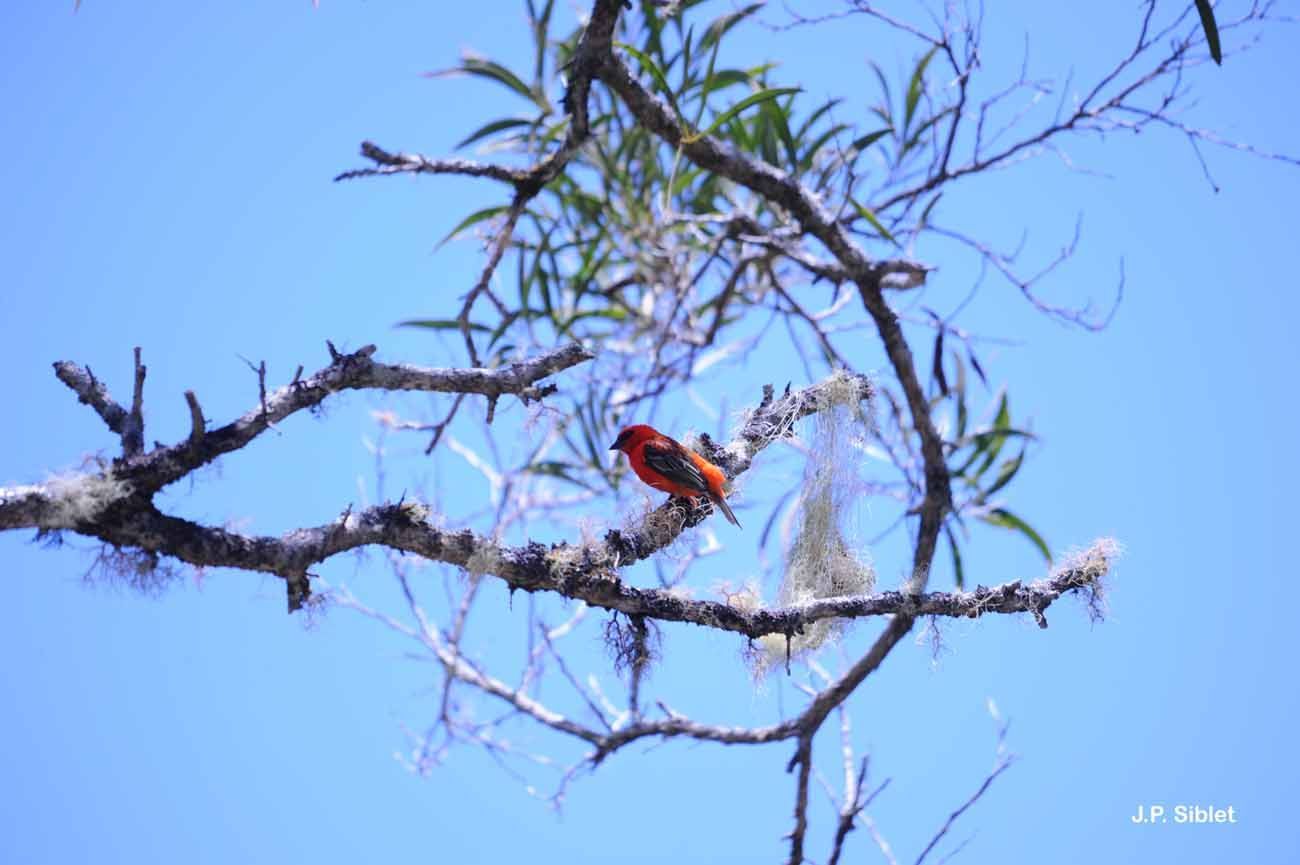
(631, 436)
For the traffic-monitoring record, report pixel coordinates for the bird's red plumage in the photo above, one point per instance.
(670, 467)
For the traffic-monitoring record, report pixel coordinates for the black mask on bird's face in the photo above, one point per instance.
(622, 440)
(631, 436)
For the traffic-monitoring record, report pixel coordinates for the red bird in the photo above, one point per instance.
(672, 468)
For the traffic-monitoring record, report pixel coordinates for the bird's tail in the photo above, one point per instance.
(722, 505)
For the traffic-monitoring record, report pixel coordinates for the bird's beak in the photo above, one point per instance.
(615, 447)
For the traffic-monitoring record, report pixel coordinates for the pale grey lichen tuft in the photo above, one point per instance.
(825, 559)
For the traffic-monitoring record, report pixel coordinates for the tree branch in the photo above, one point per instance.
(357, 371)
(115, 504)
(92, 392)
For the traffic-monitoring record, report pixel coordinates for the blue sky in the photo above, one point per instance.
(167, 177)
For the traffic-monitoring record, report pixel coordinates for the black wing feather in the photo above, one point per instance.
(674, 462)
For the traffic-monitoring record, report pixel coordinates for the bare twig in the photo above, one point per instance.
(197, 424)
(1004, 761)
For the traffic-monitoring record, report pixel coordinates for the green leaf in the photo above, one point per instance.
(724, 23)
(936, 362)
(541, 23)
(870, 217)
(812, 119)
(916, 87)
(884, 91)
(870, 138)
(916, 136)
(494, 127)
(557, 469)
(442, 324)
(474, 219)
(613, 313)
(780, 119)
(925, 214)
(748, 102)
(655, 72)
(811, 152)
(975, 363)
(1006, 472)
(1005, 519)
(985, 437)
(723, 79)
(493, 71)
(1001, 424)
(1206, 11)
(961, 411)
(958, 570)
(504, 326)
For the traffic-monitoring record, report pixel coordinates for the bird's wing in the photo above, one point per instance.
(674, 462)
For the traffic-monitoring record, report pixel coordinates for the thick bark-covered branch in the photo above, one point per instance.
(104, 507)
(115, 504)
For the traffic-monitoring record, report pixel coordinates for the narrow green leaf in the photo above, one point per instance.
(779, 116)
(960, 369)
(915, 139)
(870, 138)
(503, 353)
(688, 40)
(748, 102)
(811, 152)
(442, 324)
(925, 214)
(1005, 519)
(916, 86)
(936, 363)
(494, 127)
(959, 393)
(884, 116)
(812, 119)
(724, 23)
(958, 571)
(979, 370)
(557, 469)
(613, 313)
(1001, 425)
(541, 24)
(723, 79)
(884, 91)
(1206, 11)
(1006, 472)
(765, 134)
(982, 441)
(661, 81)
(961, 411)
(987, 436)
(870, 217)
(491, 70)
(504, 326)
(474, 219)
